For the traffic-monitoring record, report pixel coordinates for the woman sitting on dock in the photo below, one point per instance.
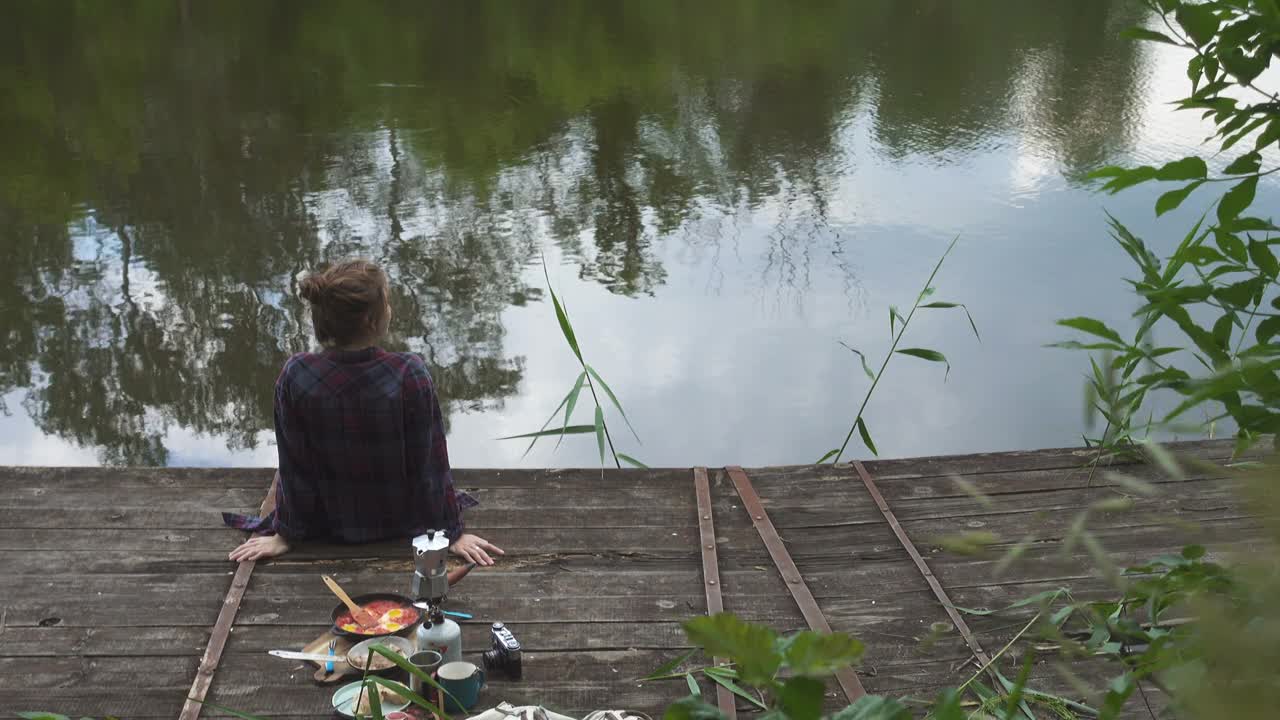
(359, 433)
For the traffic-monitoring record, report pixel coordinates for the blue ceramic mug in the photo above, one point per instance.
(462, 681)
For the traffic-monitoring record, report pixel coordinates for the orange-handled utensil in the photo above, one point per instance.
(362, 616)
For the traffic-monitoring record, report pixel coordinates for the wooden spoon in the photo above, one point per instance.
(362, 616)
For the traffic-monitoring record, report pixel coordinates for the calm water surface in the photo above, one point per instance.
(723, 191)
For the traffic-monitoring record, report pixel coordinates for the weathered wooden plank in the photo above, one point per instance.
(1011, 461)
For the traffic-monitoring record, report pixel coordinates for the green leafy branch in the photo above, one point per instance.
(1225, 266)
(898, 325)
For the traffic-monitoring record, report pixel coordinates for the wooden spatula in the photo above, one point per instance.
(362, 616)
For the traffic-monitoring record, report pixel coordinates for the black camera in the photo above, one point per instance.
(505, 655)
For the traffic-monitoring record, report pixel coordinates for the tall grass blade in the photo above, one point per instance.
(599, 430)
(570, 430)
(670, 665)
(736, 689)
(866, 437)
(609, 391)
(632, 461)
(565, 328)
(571, 401)
(403, 691)
(544, 425)
(694, 690)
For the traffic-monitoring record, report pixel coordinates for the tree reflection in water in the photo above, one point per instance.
(171, 169)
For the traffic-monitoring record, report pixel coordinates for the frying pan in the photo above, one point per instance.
(454, 576)
(362, 600)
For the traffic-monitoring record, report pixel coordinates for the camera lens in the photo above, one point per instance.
(491, 658)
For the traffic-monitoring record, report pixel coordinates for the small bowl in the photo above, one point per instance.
(344, 701)
(360, 652)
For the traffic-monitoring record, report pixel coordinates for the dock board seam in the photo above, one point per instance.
(791, 577)
(711, 576)
(939, 592)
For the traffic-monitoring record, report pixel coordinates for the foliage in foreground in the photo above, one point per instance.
(1204, 633)
(1217, 288)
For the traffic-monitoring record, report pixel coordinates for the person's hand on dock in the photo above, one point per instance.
(260, 547)
(475, 548)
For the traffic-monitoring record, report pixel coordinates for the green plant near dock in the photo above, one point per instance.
(588, 378)
(1218, 286)
(898, 324)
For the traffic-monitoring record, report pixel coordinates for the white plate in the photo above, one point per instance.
(344, 701)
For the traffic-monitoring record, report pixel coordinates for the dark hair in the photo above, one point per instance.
(348, 301)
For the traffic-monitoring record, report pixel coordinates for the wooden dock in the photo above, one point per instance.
(113, 579)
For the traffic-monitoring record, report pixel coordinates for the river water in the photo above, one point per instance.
(723, 192)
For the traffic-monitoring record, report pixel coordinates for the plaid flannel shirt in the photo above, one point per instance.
(362, 451)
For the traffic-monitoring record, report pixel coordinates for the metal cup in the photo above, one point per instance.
(427, 661)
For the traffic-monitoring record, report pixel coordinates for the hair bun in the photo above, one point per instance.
(313, 287)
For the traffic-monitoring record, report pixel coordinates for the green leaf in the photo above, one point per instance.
(1231, 245)
(614, 398)
(42, 716)
(692, 708)
(895, 315)
(1264, 259)
(1245, 164)
(735, 688)
(1200, 22)
(1138, 33)
(1174, 198)
(830, 453)
(819, 654)
(1188, 168)
(927, 354)
(565, 328)
(694, 690)
(972, 325)
(1045, 597)
(1109, 171)
(874, 707)
(599, 430)
(753, 648)
(801, 698)
(1267, 329)
(1237, 199)
(1129, 178)
(947, 706)
(632, 461)
(551, 417)
(865, 367)
(403, 663)
(670, 665)
(403, 691)
(571, 401)
(866, 436)
(1193, 552)
(1222, 330)
(1093, 327)
(571, 430)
